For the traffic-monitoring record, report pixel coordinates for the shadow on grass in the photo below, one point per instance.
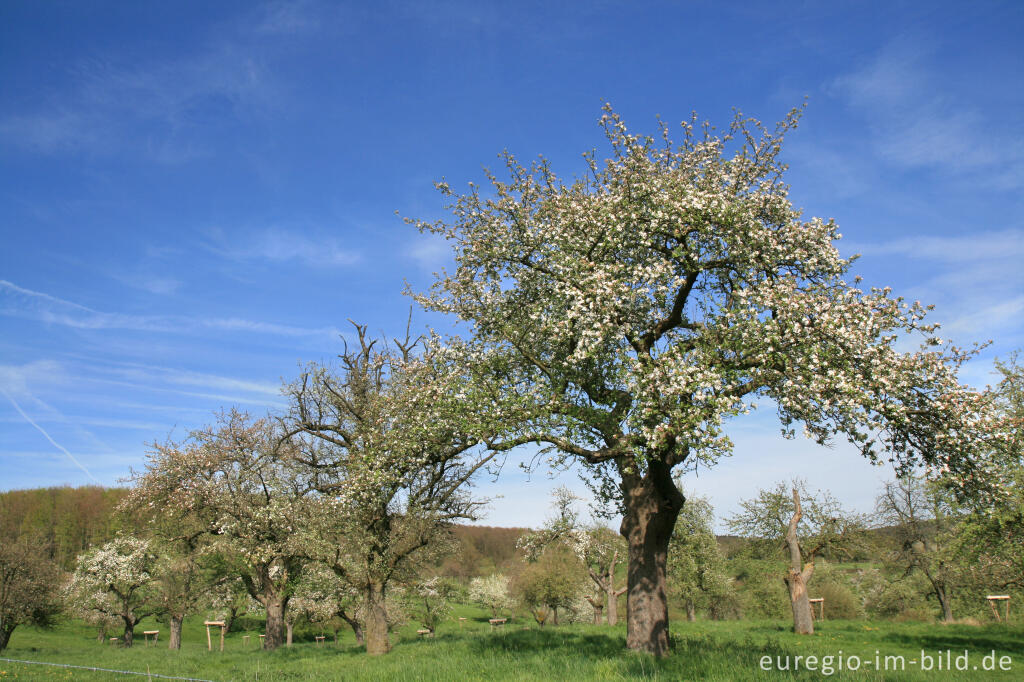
(694, 655)
(973, 639)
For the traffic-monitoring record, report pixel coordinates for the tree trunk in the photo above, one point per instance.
(377, 640)
(230, 620)
(175, 641)
(288, 637)
(947, 607)
(101, 634)
(595, 603)
(554, 615)
(613, 605)
(129, 631)
(652, 504)
(275, 624)
(803, 620)
(357, 629)
(691, 611)
(5, 634)
(798, 576)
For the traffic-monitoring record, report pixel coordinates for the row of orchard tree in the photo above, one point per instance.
(920, 552)
(618, 321)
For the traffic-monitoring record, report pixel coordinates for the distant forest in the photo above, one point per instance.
(66, 521)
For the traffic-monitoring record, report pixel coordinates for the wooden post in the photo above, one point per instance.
(209, 642)
(147, 633)
(820, 601)
(461, 620)
(1005, 598)
(245, 641)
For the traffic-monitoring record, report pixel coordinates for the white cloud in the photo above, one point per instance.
(18, 379)
(996, 245)
(915, 124)
(17, 301)
(169, 375)
(975, 281)
(279, 245)
(146, 107)
(430, 251)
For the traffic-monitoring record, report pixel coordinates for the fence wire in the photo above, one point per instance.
(105, 670)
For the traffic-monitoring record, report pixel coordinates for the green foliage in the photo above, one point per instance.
(825, 528)
(761, 592)
(889, 595)
(696, 566)
(28, 587)
(551, 583)
(65, 521)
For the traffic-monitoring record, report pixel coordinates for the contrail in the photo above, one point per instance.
(55, 443)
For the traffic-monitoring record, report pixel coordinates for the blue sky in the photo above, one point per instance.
(194, 197)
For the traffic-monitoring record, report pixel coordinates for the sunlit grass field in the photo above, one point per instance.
(729, 650)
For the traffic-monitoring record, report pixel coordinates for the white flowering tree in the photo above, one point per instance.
(237, 478)
(325, 599)
(181, 540)
(429, 600)
(992, 536)
(113, 582)
(390, 453)
(492, 593)
(639, 308)
(227, 599)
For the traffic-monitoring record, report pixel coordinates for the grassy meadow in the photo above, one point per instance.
(723, 650)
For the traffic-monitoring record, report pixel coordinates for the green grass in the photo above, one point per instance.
(705, 650)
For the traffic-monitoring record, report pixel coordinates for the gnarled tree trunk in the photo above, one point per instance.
(357, 629)
(605, 581)
(275, 623)
(798, 575)
(377, 640)
(652, 505)
(128, 638)
(175, 641)
(289, 627)
(613, 604)
(597, 605)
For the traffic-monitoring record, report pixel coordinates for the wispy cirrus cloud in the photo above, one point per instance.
(917, 122)
(159, 108)
(16, 301)
(277, 245)
(430, 251)
(998, 245)
(977, 279)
